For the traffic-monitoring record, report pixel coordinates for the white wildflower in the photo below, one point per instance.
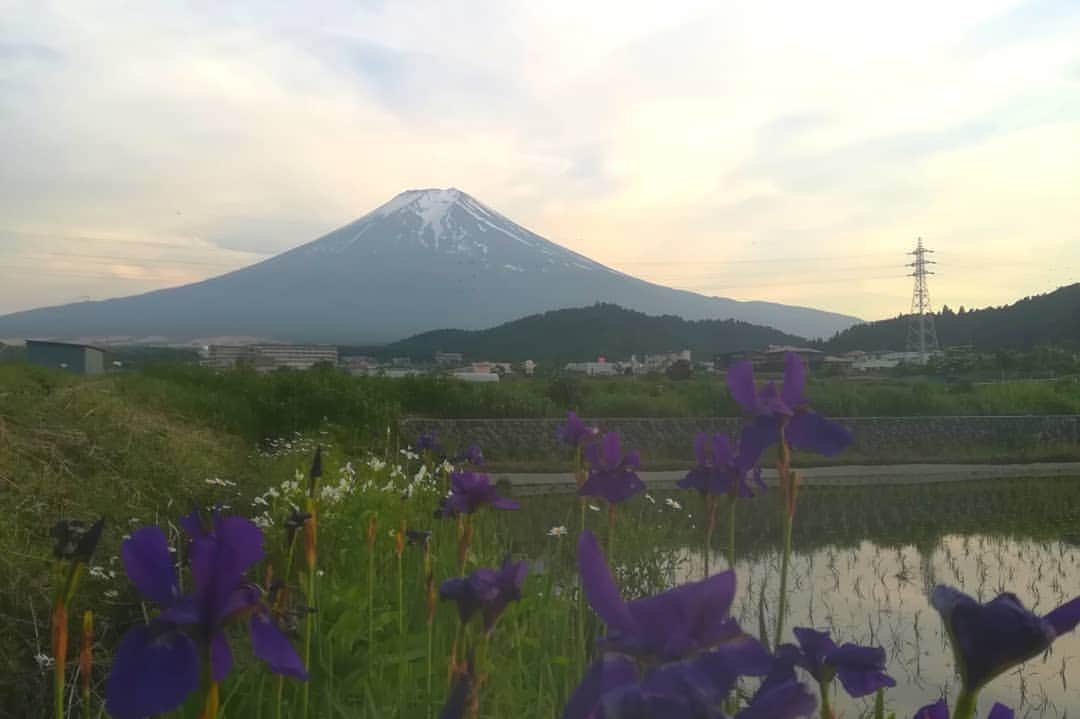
(112, 594)
(44, 661)
(557, 532)
(594, 508)
(650, 498)
(260, 501)
(263, 521)
(98, 572)
(672, 503)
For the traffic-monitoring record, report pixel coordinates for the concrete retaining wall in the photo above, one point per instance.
(672, 438)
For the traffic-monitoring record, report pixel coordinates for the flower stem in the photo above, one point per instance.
(582, 654)
(610, 531)
(59, 649)
(309, 620)
(710, 513)
(400, 595)
(965, 705)
(213, 701)
(86, 660)
(785, 561)
(279, 680)
(430, 635)
(371, 590)
(731, 532)
(826, 708)
(879, 704)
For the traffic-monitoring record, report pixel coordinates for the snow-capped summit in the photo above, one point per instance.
(449, 222)
(427, 259)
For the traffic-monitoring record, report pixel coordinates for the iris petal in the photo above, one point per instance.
(612, 450)
(794, 381)
(600, 588)
(811, 432)
(152, 673)
(1065, 618)
(787, 700)
(150, 566)
(273, 647)
(1000, 711)
(740, 382)
(606, 674)
(988, 639)
(937, 710)
(220, 656)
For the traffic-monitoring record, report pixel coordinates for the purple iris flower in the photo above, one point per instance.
(786, 407)
(158, 664)
(689, 689)
(612, 474)
(861, 670)
(988, 639)
(575, 432)
(940, 710)
(429, 442)
(937, 710)
(468, 492)
(471, 454)
(487, 591)
(720, 471)
(671, 625)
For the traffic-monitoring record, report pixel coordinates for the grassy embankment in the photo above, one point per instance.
(140, 448)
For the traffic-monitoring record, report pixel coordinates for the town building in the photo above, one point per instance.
(600, 368)
(471, 376)
(269, 357)
(452, 358)
(70, 356)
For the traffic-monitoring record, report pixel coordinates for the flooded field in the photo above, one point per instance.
(865, 559)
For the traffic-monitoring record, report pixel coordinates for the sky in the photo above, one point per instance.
(762, 150)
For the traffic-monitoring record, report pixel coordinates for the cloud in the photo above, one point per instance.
(687, 133)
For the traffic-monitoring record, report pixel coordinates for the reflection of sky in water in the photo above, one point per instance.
(878, 596)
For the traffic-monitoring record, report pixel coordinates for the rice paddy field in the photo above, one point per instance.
(863, 562)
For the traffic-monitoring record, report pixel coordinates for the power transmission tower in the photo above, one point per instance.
(921, 336)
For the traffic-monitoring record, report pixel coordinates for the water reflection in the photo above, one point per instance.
(877, 595)
(866, 558)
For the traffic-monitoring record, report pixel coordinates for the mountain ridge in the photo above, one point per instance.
(585, 333)
(425, 259)
(1052, 318)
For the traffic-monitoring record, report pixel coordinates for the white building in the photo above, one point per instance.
(268, 357)
(476, 376)
(594, 369)
(658, 362)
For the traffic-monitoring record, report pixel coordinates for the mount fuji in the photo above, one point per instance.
(427, 259)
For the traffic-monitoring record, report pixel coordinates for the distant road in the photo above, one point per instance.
(563, 482)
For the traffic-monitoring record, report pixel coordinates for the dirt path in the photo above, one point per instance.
(563, 482)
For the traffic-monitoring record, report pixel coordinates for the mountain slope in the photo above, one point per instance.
(1050, 319)
(426, 259)
(586, 333)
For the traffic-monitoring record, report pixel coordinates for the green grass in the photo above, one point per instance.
(138, 449)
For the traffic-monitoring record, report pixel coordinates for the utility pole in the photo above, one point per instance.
(921, 336)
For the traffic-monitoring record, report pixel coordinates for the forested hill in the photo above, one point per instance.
(586, 333)
(1050, 319)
